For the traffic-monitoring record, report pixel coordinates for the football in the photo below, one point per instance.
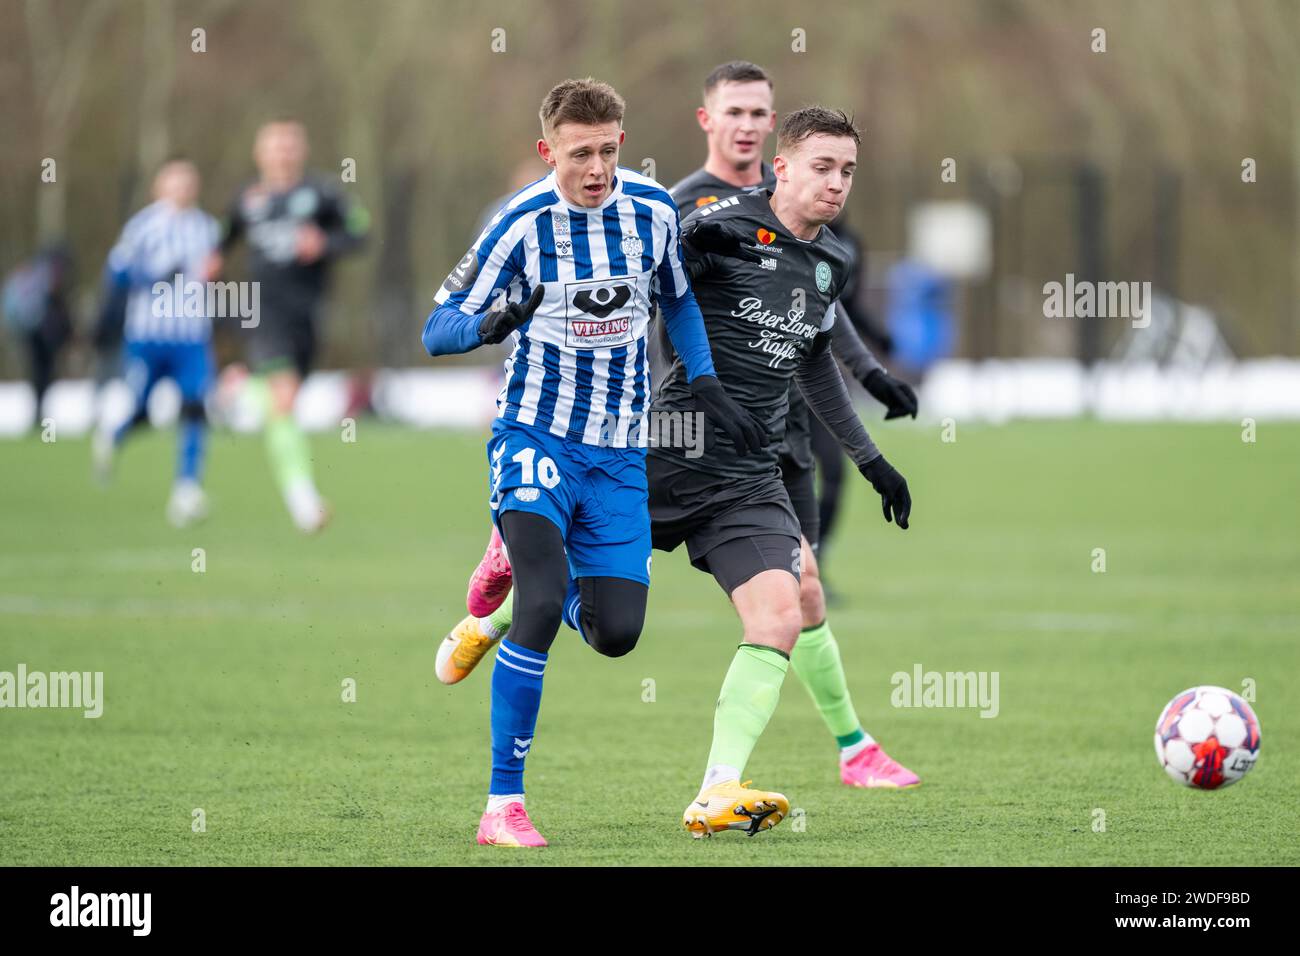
(1207, 737)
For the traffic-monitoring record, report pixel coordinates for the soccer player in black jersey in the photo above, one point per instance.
(295, 226)
(766, 271)
(736, 116)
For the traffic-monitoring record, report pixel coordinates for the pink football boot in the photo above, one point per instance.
(491, 580)
(873, 768)
(508, 827)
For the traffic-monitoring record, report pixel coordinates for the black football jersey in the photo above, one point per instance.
(761, 320)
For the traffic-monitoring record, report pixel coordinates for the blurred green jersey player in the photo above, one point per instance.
(295, 226)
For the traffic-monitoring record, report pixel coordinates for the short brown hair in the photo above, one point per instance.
(737, 71)
(588, 101)
(811, 121)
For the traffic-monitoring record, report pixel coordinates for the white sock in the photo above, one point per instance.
(717, 774)
(304, 503)
(501, 801)
(852, 750)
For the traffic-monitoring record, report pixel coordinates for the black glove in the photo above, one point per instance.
(717, 239)
(745, 431)
(498, 323)
(892, 488)
(895, 394)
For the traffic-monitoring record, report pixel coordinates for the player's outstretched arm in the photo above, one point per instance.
(896, 395)
(823, 387)
(449, 331)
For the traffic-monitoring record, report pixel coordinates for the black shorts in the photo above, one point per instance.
(801, 485)
(282, 340)
(733, 528)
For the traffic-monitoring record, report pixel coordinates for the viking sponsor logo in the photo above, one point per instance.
(599, 314)
(602, 301)
(584, 329)
(463, 275)
(102, 909)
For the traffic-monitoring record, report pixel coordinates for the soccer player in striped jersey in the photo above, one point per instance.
(168, 332)
(737, 116)
(570, 268)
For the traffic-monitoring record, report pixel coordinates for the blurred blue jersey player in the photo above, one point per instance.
(159, 261)
(570, 268)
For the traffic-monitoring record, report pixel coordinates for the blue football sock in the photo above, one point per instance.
(193, 442)
(516, 698)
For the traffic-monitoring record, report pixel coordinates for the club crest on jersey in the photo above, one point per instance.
(560, 223)
(823, 276)
(632, 246)
(765, 236)
(598, 314)
(255, 203)
(302, 203)
(705, 200)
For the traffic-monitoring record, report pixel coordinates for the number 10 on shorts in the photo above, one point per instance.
(545, 472)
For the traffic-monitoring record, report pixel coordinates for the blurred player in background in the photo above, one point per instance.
(295, 226)
(167, 332)
(37, 312)
(570, 268)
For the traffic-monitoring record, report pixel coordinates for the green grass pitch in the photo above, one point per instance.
(224, 688)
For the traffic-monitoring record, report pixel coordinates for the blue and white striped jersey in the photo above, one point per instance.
(578, 365)
(159, 243)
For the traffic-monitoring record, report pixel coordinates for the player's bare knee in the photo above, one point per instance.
(812, 600)
(779, 627)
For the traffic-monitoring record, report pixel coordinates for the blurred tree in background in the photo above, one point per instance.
(437, 117)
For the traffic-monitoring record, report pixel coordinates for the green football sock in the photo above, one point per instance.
(750, 692)
(289, 452)
(816, 659)
(498, 622)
